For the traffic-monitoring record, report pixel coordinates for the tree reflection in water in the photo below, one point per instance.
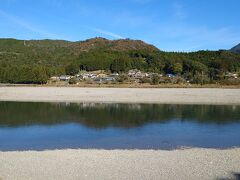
(99, 115)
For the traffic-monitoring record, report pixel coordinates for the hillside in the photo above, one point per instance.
(34, 61)
(60, 52)
(115, 45)
(11, 45)
(236, 49)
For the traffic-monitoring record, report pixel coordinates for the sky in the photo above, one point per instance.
(178, 25)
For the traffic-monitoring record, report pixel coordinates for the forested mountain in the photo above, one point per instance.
(236, 49)
(35, 61)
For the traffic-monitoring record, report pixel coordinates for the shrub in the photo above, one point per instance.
(145, 80)
(89, 81)
(199, 78)
(231, 81)
(73, 81)
(178, 80)
(122, 78)
(165, 80)
(155, 79)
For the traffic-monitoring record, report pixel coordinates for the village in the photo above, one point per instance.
(130, 77)
(103, 77)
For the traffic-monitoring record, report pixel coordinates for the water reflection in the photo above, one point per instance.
(39, 126)
(114, 115)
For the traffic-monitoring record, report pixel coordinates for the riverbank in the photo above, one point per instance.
(121, 164)
(125, 85)
(122, 95)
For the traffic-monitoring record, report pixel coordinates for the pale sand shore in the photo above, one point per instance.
(121, 95)
(121, 164)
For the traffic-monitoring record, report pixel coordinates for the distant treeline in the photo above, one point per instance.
(26, 74)
(21, 63)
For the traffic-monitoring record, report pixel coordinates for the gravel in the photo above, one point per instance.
(121, 164)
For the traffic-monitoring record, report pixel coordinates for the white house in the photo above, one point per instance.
(64, 78)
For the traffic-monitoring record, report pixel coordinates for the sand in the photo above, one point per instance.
(121, 95)
(121, 164)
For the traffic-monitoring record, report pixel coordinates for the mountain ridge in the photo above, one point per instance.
(236, 49)
(85, 45)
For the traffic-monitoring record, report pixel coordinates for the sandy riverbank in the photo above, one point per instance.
(121, 164)
(121, 95)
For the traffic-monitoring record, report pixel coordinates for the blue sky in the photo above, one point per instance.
(180, 25)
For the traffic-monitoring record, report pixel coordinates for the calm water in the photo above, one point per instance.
(39, 126)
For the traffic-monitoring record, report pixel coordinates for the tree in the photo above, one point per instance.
(200, 78)
(155, 79)
(119, 65)
(72, 69)
(177, 68)
(39, 75)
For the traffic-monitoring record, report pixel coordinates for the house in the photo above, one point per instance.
(101, 75)
(133, 72)
(115, 74)
(88, 76)
(137, 74)
(171, 75)
(64, 78)
(105, 79)
(232, 75)
(109, 78)
(98, 80)
(92, 76)
(55, 78)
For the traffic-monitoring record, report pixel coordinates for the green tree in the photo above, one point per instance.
(39, 75)
(120, 65)
(155, 79)
(200, 78)
(177, 68)
(72, 69)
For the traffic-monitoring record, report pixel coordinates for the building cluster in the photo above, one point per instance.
(87, 76)
(133, 75)
(137, 74)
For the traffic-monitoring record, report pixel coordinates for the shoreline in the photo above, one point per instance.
(138, 86)
(211, 96)
(193, 163)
